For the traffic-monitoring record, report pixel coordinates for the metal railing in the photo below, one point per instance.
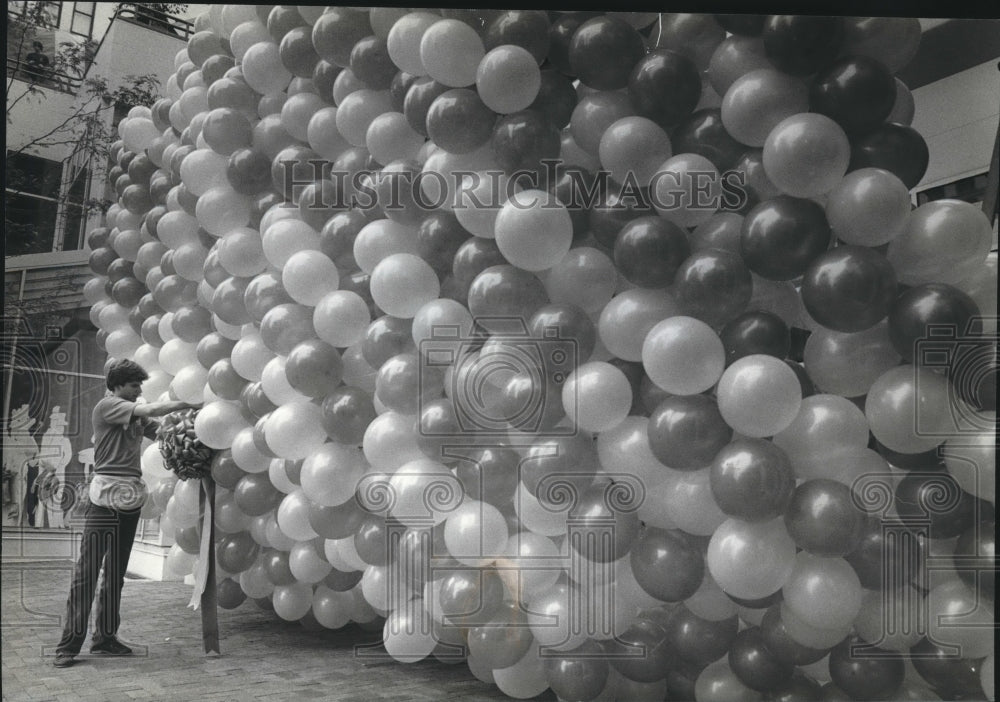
(131, 12)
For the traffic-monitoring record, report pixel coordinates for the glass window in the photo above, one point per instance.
(32, 195)
(82, 22)
(44, 14)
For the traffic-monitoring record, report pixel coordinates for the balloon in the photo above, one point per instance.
(857, 92)
(752, 480)
(896, 148)
(667, 564)
(713, 286)
(649, 250)
(759, 395)
(450, 52)
(718, 682)
(683, 355)
(849, 288)
(533, 230)
(217, 424)
(869, 207)
(313, 368)
(285, 326)
(800, 45)
(946, 673)
(782, 236)
(594, 113)
(943, 241)
(603, 52)
(908, 409)
(402, 283)
(869, 676)
(751, 560)
(758, 100)
(507, 79)
(685, 189)
(664, 86)
(806, 155)
(294, 430)
(754, 665)
(596, 396)
(525, 141)
(581, 675)
(263, 70)
(823, 592)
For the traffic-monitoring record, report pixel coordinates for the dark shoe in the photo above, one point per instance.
(112, 647)
(64, 660)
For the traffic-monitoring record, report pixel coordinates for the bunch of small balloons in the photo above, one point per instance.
(601, 352)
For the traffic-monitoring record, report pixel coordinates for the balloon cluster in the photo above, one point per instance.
(699, 434)
(182, 452)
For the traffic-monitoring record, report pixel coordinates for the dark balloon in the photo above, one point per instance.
(698, 640)
(744, 25)
(686, 432)
(655, 662)
(101, 258)
(419, 96)
(703, 133)
(752, 479)
(229, 301)
(459, 122)
(438, 239)
(570, 322)
(336, 32)
(297, 53)
(472, 258)
(386, 337)
(318, 201)
(823, 519)
(337, 522)
(347, 412)
(581, 675)
(128, 291)
(489, 474)
(975, 558)
(313, 368)
(755, 665)
(713, 285)
(371, 63)
(926, 461)
(926, 311)
(856, 92)
(603, 52)
(556, 98)
(281, 20)
(801, 688)
(399, 87)
(609, 215)
(521, 140)
(782, 236)
(224, 381)
(225, 472)
(935, 504)
(255, 495)
(571, 189)
(323, 77)
(528, 29)
(561, 35)
(802, 44)
(191, 324)
(264, 292)
(896, 148)
(649, 250)
(254, 403)
(781, 645)
(849, 288)
(667, 565)
(665, 87)
(868, 675)
(372, 540)
(605, 519)
(951, 676)
(337, 236)
(505, 292)
(756, 332)
(294, 168)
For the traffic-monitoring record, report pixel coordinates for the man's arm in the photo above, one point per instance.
(158, 409)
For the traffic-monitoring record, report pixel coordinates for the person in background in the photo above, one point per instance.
(117, 493)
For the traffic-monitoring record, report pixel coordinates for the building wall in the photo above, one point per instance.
(958, 117)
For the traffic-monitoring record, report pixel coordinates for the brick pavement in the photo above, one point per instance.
(263, 656)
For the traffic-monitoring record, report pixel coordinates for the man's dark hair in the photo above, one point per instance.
(125, 371)
(37, 45)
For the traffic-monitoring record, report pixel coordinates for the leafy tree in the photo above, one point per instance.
(88, 127)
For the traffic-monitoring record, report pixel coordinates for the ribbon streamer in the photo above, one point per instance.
(205, 594)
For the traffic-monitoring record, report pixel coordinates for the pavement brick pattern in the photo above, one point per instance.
(262, 657)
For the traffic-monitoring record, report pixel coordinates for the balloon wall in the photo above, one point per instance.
(724, 430)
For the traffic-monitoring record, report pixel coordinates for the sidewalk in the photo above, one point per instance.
(263, 657)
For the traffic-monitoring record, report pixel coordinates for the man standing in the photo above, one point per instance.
(117, 493)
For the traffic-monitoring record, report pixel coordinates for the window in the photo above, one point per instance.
(82, 22)
(969, 189)
(31, 197)
(45, 14)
